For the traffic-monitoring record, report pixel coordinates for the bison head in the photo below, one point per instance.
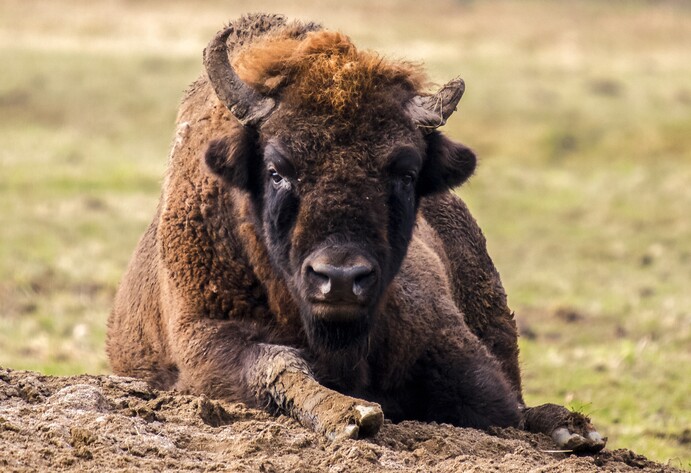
(337, 149)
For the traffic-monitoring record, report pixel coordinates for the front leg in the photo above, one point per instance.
(218, 358)
(465, 385)
(281, 375)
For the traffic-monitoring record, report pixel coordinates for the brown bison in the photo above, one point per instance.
(308, 255)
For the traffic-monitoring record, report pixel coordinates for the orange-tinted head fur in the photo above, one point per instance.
(324, 69)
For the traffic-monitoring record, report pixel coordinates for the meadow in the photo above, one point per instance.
(580, 113)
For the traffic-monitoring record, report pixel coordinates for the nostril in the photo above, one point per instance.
(365, 278)
(364, 281)
(340, 284)
(317, 275)
(320, 279)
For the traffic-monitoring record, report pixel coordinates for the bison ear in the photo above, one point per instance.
(231, 159)
(448, 164)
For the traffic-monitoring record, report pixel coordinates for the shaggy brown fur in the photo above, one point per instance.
(326, 68)
(224, 293)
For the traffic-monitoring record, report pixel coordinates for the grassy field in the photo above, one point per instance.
(580, 112)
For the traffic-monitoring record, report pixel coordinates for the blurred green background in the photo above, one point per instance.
(580, 112)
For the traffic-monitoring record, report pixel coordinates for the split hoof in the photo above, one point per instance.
(365, 420)
(591, 443)
(571, 431)
(369, 419)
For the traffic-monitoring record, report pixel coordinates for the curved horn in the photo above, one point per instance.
(429, 112)
(248, 106)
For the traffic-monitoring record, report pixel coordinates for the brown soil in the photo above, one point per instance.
(103, 423)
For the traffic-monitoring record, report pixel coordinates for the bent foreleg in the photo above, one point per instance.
(220, 359)
(280, 374)
(466, 385)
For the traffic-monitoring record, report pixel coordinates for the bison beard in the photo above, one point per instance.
(325, 335)
(308, 248)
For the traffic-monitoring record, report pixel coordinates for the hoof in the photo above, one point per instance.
(566, 440)
(571, 431)
(365, 421)
(369, 419)
(358, 420)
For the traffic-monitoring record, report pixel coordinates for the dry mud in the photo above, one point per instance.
(104, 423)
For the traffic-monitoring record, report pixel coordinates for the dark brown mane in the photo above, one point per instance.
(324, 68)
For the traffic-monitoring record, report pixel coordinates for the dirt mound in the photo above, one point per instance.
(102, 423)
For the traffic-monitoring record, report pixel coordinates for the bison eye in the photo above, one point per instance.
(278, 181)
(275, 176)
(408, 179)
(403, 167)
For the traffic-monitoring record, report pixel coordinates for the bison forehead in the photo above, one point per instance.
(323, 70)
(321, 149)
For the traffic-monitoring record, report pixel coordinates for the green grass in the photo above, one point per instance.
(580, 112)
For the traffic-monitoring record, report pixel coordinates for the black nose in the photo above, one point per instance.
(341, 284)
